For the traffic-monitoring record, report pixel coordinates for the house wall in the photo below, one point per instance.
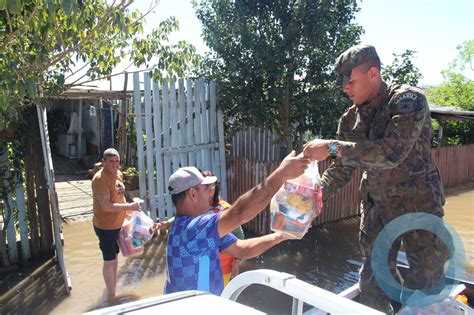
(89, 121)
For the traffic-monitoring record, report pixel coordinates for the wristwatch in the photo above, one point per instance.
(333, 148)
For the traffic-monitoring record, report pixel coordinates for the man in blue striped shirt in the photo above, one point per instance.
(197, 236)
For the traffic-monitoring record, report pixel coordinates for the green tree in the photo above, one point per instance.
(274, 62)
(402, 70)
(42, 40)
(457, 90)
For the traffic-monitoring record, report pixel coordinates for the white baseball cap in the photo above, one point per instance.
(187, 177)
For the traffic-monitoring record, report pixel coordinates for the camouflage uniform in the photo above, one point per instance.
(391, 144)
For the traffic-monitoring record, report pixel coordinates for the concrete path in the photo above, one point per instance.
(74, 196)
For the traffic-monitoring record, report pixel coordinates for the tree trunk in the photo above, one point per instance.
(285, 113)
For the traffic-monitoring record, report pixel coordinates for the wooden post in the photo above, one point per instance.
(220, 137)
(440, 131)
(149, 145)
(139, 123)
(182, 121)
(22, 221)
(31, 198)
(3, 247)
(190, 120)
(123, 122)
(42, 199)
(101, 129)
(166, 141)
(3, 241)
(79, 132)
(49, 172)
(9, 220)
(157, 128)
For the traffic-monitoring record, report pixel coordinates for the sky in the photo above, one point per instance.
(432, 28)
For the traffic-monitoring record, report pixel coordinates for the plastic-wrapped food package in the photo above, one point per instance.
(136, 231)
(297, 203)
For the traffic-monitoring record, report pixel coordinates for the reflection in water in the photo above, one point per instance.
(141, 275)
(332, 258)
(459, 213)
(328, 256)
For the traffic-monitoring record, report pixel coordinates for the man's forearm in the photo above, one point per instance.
(118, 207)
(256, 246)
(252, 202)
(108, 206)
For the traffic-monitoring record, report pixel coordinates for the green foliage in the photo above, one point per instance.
(457, 90)
(465, 57)
(130, 170)
(402, 70)
(43, 40)
(273, 61)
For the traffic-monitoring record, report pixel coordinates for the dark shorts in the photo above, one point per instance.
(108, 243)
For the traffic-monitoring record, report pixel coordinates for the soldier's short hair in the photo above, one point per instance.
(110, 152)
(353, 57)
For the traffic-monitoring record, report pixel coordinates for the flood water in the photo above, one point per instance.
(328, 256)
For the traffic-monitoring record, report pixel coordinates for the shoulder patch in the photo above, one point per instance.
(406, 102)
(407, 96)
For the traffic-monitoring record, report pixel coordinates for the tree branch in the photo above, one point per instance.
(9, 21)
(58, 57)
(73, 73)
(14, 34)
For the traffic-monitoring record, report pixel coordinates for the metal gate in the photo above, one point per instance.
(177, 124)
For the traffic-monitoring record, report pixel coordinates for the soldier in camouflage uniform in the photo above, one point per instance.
(387, 133)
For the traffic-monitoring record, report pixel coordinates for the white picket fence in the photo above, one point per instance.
(180, 126)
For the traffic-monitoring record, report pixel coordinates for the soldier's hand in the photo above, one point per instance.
(316, 149)
(293, 166)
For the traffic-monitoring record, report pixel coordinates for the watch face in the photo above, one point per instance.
(332, 148)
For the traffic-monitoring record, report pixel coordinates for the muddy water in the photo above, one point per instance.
(141, 275)
(328, 257)
(459, 213)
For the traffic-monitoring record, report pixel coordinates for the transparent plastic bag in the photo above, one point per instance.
(446, 307)
(135, 232)
(297, 203)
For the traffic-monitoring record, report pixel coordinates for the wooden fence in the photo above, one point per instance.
(26, 231)
(182, 126)
(456, 165)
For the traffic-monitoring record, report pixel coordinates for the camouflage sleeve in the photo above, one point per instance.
(239, 233)
(409, 112)
(337, 175)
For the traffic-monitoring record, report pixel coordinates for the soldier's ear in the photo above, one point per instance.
(373, 72)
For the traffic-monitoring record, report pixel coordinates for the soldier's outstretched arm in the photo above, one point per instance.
(401, 133)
